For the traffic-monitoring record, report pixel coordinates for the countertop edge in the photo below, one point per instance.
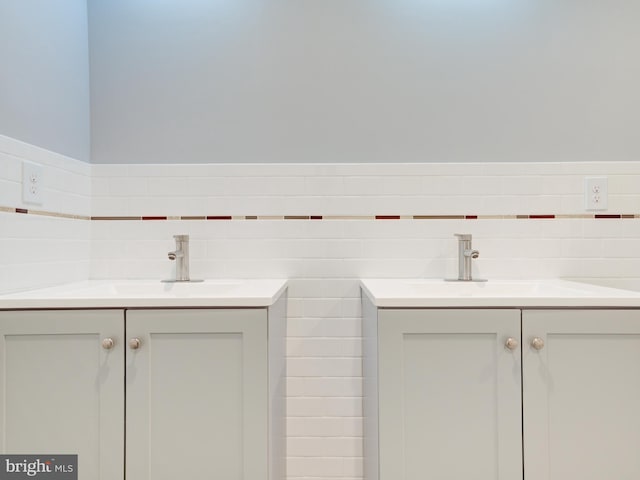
(43, 303)
(631, 300)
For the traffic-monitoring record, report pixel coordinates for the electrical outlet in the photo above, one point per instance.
(596, 192)
(32, 183)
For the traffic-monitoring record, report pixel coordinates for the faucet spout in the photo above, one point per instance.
(176, 254)
(471, 253)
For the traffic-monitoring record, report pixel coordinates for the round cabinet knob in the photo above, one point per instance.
(108, 343)
(537, 343)
(134, 343)
(511, 343)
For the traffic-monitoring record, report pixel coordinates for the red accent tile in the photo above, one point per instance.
(154, 218)
(387, 217)
(607, 216)
(471, 217)
(22, 210)
(542, 216)
(211, 217)
(316, 217)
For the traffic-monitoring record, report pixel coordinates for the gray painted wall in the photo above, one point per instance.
(364, 80)
(44, 74)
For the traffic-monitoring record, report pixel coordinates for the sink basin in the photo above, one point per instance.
(148, 289)
(495, 289)
(632, 283)
(410, 293)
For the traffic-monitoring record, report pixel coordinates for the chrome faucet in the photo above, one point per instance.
(181, 256)
(465, 254)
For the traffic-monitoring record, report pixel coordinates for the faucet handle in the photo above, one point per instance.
(463, 236)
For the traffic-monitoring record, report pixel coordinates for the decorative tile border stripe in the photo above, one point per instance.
(43, 213)
(381, 217)
(441, 217)
(24, 211)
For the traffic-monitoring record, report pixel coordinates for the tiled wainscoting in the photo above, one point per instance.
(322, 227)
(49, 245)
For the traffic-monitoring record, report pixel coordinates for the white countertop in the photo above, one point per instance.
(149, 293)
(425, 293)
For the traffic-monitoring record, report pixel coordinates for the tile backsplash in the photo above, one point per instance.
(40, 249)
(322, 226)
(358, 189)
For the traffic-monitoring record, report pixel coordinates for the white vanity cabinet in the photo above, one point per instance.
(449, 394)
(581, 394)
(61, 392)
(180, 393)
(196, 393)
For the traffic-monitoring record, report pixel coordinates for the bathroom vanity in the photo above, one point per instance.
(501, 380)
(148, 380)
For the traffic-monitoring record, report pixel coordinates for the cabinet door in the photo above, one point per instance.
(582, 394)
(450, 395)
(61, 392)
(197, 395)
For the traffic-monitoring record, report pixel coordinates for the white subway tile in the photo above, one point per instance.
(325, 186)
(306, 447)
(383, 185)
(616, 248)
(593, 247)
(433, 185)
(106, 171)
(128, 187)
(324, 447)
(310, 327)
(324, 367)
(485, 185)
(64, 181)
(324, 386)
(10, 168)
(322, 259)
(324, 347)
(562, 185)
(324, 426)
(10, 194)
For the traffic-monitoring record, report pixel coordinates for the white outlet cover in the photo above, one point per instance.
(596, 193)
(32, 183)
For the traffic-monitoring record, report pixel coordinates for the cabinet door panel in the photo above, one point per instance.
(61, 392)
(581, 395)
(449, 392)
(197, 395)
